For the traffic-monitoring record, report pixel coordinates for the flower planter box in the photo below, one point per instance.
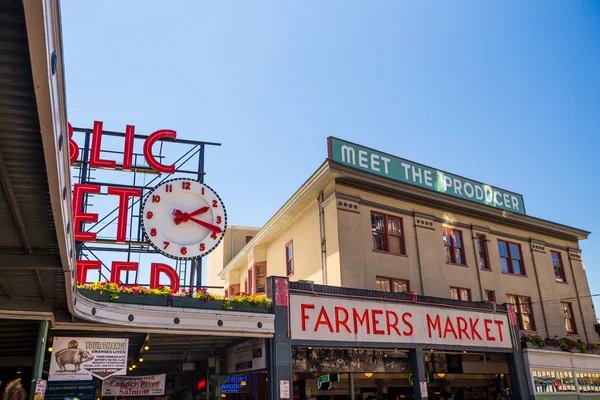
(190, 302)
(249, 308)
(125, 298)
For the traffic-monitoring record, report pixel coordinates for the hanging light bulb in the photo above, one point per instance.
(50, 349)
(368, 374)
(146, 347)
(141, 359)
(133, 366)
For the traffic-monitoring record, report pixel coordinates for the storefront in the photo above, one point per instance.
(563, 374)
(350, 344)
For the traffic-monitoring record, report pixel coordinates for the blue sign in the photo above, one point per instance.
(236, 384)
(69, 390)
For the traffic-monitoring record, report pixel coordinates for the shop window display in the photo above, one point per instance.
(546, 381)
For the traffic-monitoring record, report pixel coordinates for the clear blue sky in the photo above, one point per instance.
(507, 93)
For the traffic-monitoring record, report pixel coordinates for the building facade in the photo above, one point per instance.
(369, 220)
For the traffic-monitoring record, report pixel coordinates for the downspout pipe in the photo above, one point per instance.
(322, 238)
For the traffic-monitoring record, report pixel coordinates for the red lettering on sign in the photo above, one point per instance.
(165, 133)
(499, 324)
(73, 148)
(83, 266)
(392, 323)
(449, 328)
(95, 160)
(158, 268)
(78, 215)
(303, 307)
(462, 327)
(486, 324)
(406, 317)
(128, 150)
(323, 319)
(124, 195)
(363, 321)
(434, 324)
(374, 315)
(118, 267)
(473, 325)
(341, 322)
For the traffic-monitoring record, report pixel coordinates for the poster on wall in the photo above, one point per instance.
(246, 356)
(365, 360)
(61, 390)
(299, 359)
(328, 360)
(397, 362)
(79, 359)
(149, 385)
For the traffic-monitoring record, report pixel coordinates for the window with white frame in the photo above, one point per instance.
(553, 381)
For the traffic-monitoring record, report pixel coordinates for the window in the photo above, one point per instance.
(523, 310)
(490, 296)
(392, 285)
(289, 258)
(246, 285)
(559, 269)
(511, 258)
(261, 277)
(483, 254)
(250, 281)
(588, 382)
(553, 381)
(226, 293)
(453, 245)
(248, 238)
(388, 234)
(570, 326)
(460, 293)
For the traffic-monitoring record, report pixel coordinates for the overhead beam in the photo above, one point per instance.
(30, 262)
(14, 206)
(6, 287)
(40, 286)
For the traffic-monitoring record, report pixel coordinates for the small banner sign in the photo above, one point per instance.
(79, 359)
(149, 385)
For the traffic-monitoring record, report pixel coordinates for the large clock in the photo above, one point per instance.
(183, 218)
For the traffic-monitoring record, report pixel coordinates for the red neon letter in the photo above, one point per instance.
(95, 160)
(79, 216)
(434, 324)
(156, 269)
(165, 133)
(474, 329)
(128, 150)
(487, 323)
(303, 308)
(83, 266)
(73, 148)
(500, 323)
(449, 328)
(339, 321)
(363, 321)
(392, 325)
(462, 327)
(118, 266)
(374, 314)
(323, 319)
(124, 195)
(407, 322)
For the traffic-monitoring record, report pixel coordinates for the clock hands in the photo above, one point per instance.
(185, 217)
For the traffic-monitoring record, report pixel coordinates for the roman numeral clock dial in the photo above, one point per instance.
(183, 218)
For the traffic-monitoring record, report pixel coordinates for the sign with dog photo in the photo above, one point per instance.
(78, 359)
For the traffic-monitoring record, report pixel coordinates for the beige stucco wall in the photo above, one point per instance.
(233, 241)
(360, 264)
(304, 232)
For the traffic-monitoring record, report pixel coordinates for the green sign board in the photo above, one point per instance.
(401, 170)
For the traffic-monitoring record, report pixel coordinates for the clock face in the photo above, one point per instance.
(183, 218)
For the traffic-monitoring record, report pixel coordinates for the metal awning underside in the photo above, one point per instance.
(31, 277)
